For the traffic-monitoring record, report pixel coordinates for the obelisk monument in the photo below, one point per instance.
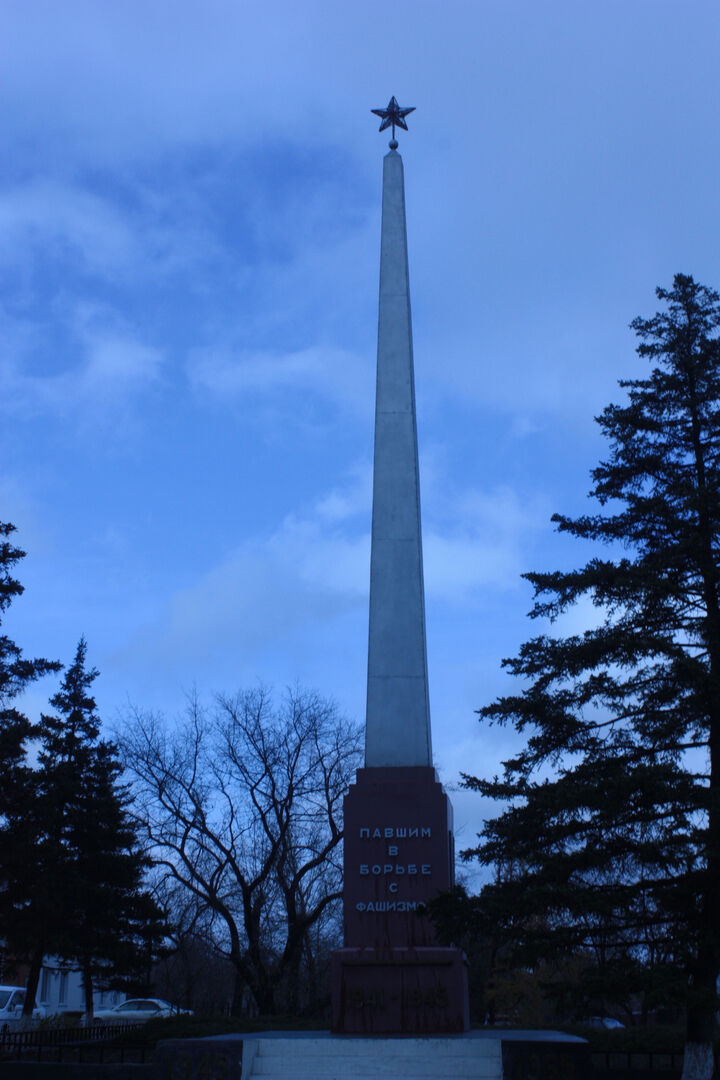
(392, 976)
(397, 728)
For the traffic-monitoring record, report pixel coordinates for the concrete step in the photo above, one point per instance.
(351, 1069)
(367, 1072)
(366, 1059)
(463, 1066)
(405, 1048)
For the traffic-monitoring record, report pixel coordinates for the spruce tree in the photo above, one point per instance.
(105, 919)
(20, 826)
(610, 842)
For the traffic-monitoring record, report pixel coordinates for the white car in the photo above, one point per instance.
(12, 999)
(607, 1022)
(137, 1010)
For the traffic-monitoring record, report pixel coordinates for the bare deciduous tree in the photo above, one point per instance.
(241, 805)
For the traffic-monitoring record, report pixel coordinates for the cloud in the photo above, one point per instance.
(333, 373)
(350, 500)
(313, 570)
(115, 363)
(107, 367)
(123, 81)
(475, 540)
(581, 616)
(51, 219)
(107, 229)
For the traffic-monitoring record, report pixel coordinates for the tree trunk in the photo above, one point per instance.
(293, 983)
(698, 1063)
(239, 984)
(33, 979)
(264, 993)
(644, 1010)
(87, 981)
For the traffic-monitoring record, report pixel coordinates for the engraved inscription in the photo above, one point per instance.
(433, 997)
(393, 832)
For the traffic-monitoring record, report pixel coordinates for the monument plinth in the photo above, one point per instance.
(393, 976)
(398, 854)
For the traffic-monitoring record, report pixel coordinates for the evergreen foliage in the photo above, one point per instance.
(16, 673)
(20, 826)
(103, 918)
(71, 867)
(610, 843)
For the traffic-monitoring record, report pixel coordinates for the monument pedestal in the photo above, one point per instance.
(393, 977)
(399, 991)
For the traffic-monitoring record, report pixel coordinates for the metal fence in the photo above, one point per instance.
(606, 1061)
(93, 1043)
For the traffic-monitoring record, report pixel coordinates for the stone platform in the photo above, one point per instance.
(296, 1055)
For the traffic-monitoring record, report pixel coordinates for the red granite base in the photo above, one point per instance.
(420, 991)
(397, 855)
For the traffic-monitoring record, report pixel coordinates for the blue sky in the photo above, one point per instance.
(190, 212)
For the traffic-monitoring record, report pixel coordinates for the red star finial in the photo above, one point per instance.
(393, 115)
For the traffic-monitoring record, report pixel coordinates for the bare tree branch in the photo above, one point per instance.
(241, 807)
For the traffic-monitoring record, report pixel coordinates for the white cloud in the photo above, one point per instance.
(270, 587)
(349, 500)
(112, 365)
(51, 218)
(314, 569)
(331, 373)
(476, 539)
(152, 236)
(581, 616)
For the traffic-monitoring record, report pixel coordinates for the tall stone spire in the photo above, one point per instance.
(398, 717)
(392, 975)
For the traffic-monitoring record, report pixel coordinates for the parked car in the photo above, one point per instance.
(12, 999)
(607, 1022)
(138, 1010)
